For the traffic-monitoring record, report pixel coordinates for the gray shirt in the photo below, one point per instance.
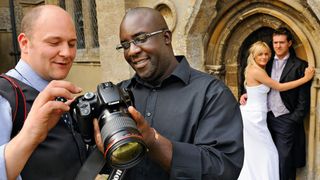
(275, 103)
(200, 116)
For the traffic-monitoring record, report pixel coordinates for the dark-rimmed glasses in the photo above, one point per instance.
(141, 38)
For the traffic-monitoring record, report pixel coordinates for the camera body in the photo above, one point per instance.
(123, 144)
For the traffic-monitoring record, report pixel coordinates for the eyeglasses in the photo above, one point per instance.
(141, 38)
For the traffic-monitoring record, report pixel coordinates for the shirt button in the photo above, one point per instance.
(148, 114)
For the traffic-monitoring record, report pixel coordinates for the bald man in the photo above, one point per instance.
(189, 120)
(47, 146)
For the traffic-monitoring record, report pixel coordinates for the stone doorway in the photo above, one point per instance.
(240, 23)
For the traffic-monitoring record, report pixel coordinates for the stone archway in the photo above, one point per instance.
(233, 25)
(230, 31)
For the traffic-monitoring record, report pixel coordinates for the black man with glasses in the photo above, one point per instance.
(189, 120)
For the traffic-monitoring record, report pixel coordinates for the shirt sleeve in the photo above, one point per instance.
(302, 104)
(5, 132)
(217, 151)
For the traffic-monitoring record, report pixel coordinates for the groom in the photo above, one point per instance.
(287, 109)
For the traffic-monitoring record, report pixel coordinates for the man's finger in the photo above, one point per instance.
(97, 135)
(65, 84)
(135, 114)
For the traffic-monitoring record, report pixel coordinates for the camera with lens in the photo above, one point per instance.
(122, 142)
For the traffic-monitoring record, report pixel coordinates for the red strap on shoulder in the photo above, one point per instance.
(16, 86)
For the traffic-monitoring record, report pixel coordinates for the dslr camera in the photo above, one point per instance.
(122, 142)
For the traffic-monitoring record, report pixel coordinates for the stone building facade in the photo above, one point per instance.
(214, 35)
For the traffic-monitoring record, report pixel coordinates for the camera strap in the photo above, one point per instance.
(18, 103)
(93, 166)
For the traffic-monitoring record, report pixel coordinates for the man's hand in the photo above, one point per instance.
(97, 135)
(160, 148)
(243, 99)
(148, 133)
(46, 111)
(309, 73)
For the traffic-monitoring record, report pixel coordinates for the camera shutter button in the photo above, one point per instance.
(88, 95)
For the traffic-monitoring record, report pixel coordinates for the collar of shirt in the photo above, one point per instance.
(29, 76)
(279, 64)
(181, 73)
(284, 59)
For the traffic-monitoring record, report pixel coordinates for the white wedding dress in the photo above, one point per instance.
(261, 157)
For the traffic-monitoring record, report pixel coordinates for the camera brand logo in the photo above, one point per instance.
(117, 175)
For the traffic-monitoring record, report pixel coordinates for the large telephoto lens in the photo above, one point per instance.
(123, 144)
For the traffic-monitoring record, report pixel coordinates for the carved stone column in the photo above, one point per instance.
(313, 161)
(216, 70)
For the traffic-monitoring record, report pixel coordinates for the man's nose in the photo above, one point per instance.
(65, 50)
(134, 49)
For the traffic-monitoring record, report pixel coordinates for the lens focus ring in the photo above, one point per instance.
(114, 124)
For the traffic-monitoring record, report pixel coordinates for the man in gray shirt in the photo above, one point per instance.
(189, 120)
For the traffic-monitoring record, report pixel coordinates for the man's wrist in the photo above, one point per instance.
(153, 140)
(156, 135)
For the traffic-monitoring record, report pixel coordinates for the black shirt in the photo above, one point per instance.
(200, 116)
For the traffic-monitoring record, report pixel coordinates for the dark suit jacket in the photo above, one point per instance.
(297, 101)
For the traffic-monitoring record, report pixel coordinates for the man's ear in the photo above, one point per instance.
(167, 36)
(290, 43)
(23, 43)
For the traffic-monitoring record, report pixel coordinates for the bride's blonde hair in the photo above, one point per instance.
(255, 49)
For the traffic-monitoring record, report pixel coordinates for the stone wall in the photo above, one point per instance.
(6, 47)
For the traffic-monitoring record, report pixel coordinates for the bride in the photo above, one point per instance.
(261, 156)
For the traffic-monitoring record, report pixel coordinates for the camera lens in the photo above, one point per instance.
(124, 147)
(125, 153)
(122, 141)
